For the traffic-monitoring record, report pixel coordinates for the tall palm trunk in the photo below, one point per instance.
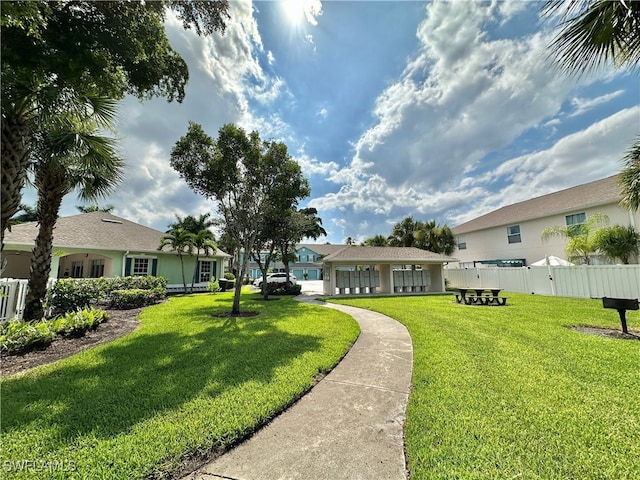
(15, 160)
(52, 185)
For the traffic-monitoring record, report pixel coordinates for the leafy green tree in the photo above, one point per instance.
(70, 156)
(376, 241)
(618, 242)
(423, 235)
(581, 238)
(594, 33)
(244, 176)
(95, 208)
(60, 56)
(182, 242)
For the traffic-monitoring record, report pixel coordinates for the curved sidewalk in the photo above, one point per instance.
(349, 426)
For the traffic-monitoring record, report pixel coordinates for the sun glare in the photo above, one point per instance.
(297, 11)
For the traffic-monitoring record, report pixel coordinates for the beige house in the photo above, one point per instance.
(511, 235)
(379, 270)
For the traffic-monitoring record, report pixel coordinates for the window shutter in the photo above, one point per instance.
(127, 267)
(154, 267)
(214, 270)
(197, 274)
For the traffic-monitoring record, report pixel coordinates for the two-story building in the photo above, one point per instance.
(512, 235)
(308, 264)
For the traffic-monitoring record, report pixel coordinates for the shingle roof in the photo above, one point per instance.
(401, 255)
(600, 192)
(96, 231)
(321, 248)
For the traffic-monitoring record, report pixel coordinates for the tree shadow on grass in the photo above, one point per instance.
(127, 382)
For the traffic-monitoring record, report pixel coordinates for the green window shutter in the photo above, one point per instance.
(154, 267)
(197, 274)
(214, 269)
(127, 267)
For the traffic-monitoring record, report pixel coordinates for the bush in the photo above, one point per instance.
(71, 294)
(79, 322)
(19, 336)
(134, 298)
(275, 288)
(229, 276)
(213, 286)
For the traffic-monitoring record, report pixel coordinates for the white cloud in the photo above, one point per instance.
(585, 104)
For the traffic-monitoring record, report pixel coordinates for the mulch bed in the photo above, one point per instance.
(607, 332)
(120, 323)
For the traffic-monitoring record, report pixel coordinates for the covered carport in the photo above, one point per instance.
(357, 270)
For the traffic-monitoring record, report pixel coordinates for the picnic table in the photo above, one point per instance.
(480, 298)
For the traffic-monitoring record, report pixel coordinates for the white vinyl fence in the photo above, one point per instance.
(13, 294)
(593, 281)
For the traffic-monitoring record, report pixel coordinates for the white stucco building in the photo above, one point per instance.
(511, 235)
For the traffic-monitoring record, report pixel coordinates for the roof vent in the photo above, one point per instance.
(110, 220)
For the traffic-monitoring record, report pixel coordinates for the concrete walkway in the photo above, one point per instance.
(349, 426)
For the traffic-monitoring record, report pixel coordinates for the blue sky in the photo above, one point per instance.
(439, 110)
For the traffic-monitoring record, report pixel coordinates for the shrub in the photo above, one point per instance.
(72, 294)
(275, 288)
(18, 336)
(77, 323)
(134, 298)
(229, 276)
(213, 286)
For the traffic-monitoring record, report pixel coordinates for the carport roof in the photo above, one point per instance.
(398, 255)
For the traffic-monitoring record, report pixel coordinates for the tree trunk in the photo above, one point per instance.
(184, 279)
(51, 183)
(15, 160)
(195, 272)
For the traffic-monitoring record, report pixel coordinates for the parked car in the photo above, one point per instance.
(279, 277)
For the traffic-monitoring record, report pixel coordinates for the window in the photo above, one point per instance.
(462, 243)
(205, 271)
(77, 269)
(140, 266)
(513, 234)
(576, 219)
(97, 268)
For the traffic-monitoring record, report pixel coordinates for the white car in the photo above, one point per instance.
(279, 277)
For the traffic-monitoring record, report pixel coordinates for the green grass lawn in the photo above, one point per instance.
(183, 384)
(511, 392)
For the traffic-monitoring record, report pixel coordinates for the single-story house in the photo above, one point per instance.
(375, 270)
(98, 244)
(511, 236)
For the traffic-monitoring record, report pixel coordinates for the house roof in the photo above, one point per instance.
(95, 231)
(593, 194)
(399, 255)
(321, 248)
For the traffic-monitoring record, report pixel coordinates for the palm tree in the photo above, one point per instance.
(68, 156)
(618, 242)
(630, 177)
(181, 241)
(376, 241)
(582, 240)
(203, 242)
(95, 208)
(593, 33)
(28, 108)
(402, 234)
(30, 214)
